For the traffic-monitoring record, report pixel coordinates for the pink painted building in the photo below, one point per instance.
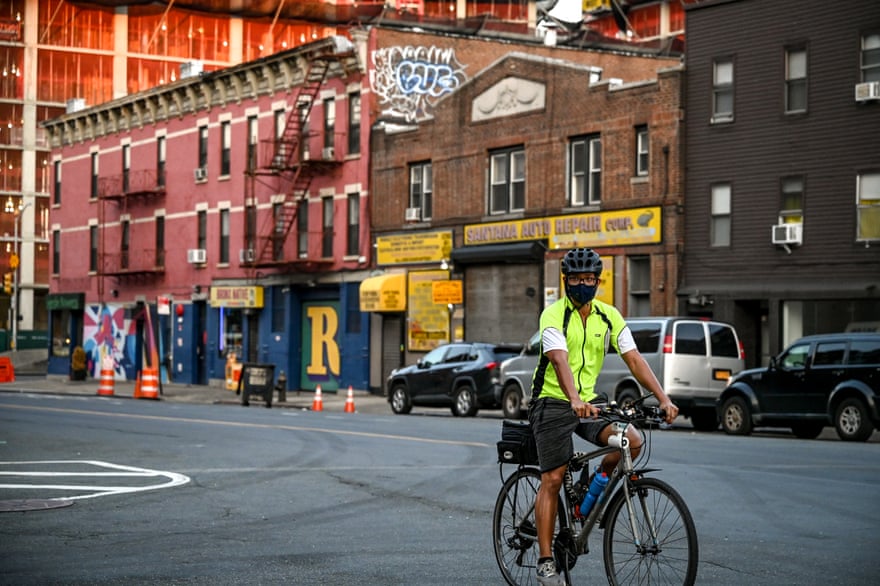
(223, 214)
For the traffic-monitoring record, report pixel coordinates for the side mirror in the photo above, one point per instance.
(772, 364)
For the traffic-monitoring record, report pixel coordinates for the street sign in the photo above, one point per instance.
(13, 261)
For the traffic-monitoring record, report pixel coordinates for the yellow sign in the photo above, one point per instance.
(428, 322)
(447, 292)
(412, 248)
(384, 293)
(13, 261)
(237, 297)
(616, 228)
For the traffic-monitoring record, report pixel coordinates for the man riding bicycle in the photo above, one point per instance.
(575, 334)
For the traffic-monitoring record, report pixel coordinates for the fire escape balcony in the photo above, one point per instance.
(132, 263)
(141, 183)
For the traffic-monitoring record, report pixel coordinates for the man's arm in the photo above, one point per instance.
(559, 360)
(640, 369)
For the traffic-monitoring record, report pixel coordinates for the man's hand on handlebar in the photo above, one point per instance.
(585, 410)
(669, 410)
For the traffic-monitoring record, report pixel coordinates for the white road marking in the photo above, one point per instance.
(119, 470)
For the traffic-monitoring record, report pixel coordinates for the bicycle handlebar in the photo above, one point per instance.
(634, 412)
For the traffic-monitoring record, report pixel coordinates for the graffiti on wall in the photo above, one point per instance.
(410, 80)
(109, 333)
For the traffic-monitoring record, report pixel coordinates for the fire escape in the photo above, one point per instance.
(119, 195)
(292, 167)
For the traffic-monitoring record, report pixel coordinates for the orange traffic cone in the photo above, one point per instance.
(318, 403)
(149, 384)
(349, 402)
(105, 387)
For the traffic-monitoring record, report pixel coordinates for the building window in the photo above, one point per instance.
(720, 217)
(56, 253)
(796, 80)
(329, 123)
(639, 278)
(94, 191)
(304, 117)
(250, 228)
(302, 228)
(160, 161)
(224, 236)
(327, 228)
(124, 244)
(93, 249)
(278, 231)
(203, 230)
(791, 210)
(871, 57)
(868, 206)
(585, 177)
(354, 123)
(160, 241)
(225, 147)
(203, 147)
(421, 188)
(507, 181)
(57, 192)
(280, 122)
(253, 130)
(126, 168)
(352, 246)
(642, 150)
(722, 91)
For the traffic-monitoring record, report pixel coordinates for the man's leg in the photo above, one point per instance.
(546, 509)
(609, 462)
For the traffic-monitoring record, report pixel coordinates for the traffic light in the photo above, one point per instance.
(7, 283)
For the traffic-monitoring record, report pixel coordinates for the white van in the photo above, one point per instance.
(692, 358)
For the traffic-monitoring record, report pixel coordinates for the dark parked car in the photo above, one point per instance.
(461, 375)
(818, 381)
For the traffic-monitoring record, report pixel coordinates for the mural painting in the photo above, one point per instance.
(108, 332)
(321, 357)
(410, 80)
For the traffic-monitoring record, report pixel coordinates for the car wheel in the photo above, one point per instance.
(511, 402)
(735, 417)
(704, 420)
(464, 404)
(852, 420)
(400, 401)
(807, 429)
(627, 395)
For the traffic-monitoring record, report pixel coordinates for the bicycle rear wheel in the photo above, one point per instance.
(652, 542)
(513, 527)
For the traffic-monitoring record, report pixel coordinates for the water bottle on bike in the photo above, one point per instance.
(600, 480)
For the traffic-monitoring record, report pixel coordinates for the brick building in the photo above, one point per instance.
(543, 148)
(783, 168)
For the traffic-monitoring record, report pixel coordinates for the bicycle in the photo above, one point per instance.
(649, 534)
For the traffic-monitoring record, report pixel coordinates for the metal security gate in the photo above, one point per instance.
(502, 302)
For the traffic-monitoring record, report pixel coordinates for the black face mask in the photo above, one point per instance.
(581, 294)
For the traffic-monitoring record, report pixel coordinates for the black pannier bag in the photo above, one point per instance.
(517, 445)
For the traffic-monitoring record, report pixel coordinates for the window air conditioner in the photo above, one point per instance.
(200, 173)
(196, 255)
(787, 233)
(247, 255)
(868, 91)
(413, 214)
(328, 154)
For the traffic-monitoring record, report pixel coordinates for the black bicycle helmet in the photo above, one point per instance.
(581, 260)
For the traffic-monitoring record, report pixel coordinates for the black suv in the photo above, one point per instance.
(819, 380)
(461, 375)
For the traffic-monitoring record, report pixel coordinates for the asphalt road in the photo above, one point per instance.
(171, 493)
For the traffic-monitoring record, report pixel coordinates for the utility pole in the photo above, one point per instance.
(17, 252)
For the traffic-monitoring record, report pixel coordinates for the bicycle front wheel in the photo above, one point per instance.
(514, 530)
(651, 539)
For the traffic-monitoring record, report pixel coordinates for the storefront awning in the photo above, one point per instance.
(510, 252)
(384, 293)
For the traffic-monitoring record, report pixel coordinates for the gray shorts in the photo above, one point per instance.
(553, 422)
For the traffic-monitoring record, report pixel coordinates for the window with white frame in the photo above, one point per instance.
(203, 147)
(224, 236)
(868, 206)
(585, 174)
(329, 123)
(354, 123)
(722, 90)
(791, 210)
(871, 57)
(225, 147)
(253, 138)
(796, 80)
(720, 215)
(639, 277)
(126, 168)
(421, 189)
(352, 245)
(507, 181)
(302, 228)
(642, 150)
(94, 176)
(327, 228)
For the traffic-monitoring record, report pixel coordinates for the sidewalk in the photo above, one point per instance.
(364, 401)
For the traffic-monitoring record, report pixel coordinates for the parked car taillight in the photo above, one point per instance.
(742, 351)
(667, 344)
